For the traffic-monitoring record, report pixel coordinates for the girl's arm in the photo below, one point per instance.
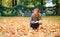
(31, 19)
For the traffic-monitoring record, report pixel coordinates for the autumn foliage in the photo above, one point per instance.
(19, 27)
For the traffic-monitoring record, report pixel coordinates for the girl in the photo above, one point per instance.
(35, 20)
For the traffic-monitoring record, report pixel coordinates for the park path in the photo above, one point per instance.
(19, 27)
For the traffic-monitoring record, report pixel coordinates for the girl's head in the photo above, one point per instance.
(36, 13)
(36, 10)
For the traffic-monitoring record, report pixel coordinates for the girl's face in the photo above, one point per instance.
(36, 10)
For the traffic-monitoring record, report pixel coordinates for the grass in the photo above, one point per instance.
(19, 27)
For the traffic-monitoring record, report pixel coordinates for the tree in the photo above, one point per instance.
(0, 2)
(14, 3)
(41, 2)
(57, 2)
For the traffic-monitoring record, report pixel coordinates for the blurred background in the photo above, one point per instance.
(20, 26)
(25, 7)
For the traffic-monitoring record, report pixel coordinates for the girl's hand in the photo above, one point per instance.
(37, 22)
(40, 22)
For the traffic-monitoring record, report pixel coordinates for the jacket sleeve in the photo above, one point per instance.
(31, 19)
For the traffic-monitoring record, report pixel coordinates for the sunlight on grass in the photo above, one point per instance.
(19, 26)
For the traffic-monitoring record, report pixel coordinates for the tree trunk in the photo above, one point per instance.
(41, 2)
(14, 3)
(57, 8)
(0, 2)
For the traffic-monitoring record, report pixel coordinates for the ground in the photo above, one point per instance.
(19, 27)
